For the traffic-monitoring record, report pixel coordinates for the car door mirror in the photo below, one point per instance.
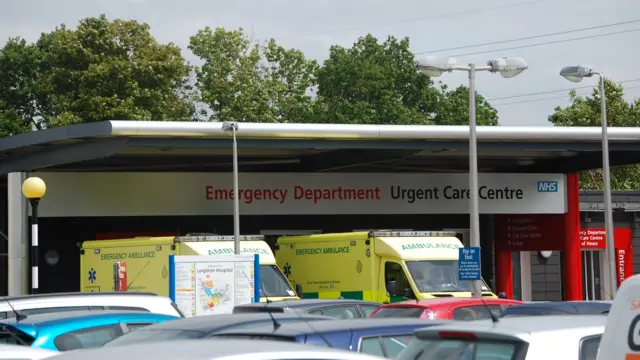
(299, 290)
(408, 293)
(502, 295)
(391, 288)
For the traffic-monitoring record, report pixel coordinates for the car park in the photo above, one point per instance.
(204, 326)
(380, 337)
(521, 338)
(60, 302)
(227, 349)
(73, 330)
(339, 308)
(450, 308)
(559, 308)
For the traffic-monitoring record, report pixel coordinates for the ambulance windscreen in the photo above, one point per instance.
(438, 276)
(273, 283)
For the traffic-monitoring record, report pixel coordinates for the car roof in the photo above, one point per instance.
(453, 301)
(306, 303)
(332, 326)
(192, 350)
(213, 322)
(71, 294)
(40, 319)
(518, 326)
(569, 307)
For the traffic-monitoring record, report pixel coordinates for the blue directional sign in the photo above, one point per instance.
(469, 264)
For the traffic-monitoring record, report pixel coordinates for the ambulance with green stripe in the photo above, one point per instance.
(383, 266)
(145, 262)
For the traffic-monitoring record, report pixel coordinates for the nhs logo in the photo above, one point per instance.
(547, 186)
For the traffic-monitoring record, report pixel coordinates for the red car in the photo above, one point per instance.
(449, 308)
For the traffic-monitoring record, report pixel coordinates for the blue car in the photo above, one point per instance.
(72, 330)
(381, 337)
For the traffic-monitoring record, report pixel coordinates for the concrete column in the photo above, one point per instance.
(18, 247)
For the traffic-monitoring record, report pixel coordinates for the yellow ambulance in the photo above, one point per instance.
(142, 263)
(384, 266)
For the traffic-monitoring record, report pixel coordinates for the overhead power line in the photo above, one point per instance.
(554, 91)
(548, 43)
(549, 98)
(531, 37)
(414, 20)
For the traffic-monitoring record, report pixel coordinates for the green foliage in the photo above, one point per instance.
(585, 111)
(103, 70)
(242, 80)
(379, 83)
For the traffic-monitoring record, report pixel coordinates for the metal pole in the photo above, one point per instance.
(608, 211)
(474, 221)
(34, 245)
(236, 193)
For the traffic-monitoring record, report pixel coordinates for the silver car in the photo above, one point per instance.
(215, 350)
(527, 337)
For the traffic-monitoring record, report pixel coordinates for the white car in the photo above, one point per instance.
(14, 352)
(562, 337)
(215, 350)
(61, 302)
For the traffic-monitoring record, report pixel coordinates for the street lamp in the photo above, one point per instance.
(33, 189)
(576, 74)
(508, 68)
(233, 127)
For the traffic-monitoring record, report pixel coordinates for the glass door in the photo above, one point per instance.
(591, 273)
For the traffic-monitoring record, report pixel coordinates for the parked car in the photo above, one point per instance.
(559, 308)
(449, 308)
(522, 338)
(72, 330)
(226, 349)
(48, 303)
(340, 308)
(17, 352)
(204, 326)
(380, 337)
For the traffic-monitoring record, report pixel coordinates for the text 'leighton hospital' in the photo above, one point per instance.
(316, 195)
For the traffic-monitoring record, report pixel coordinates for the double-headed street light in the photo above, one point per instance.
(508, 68)
(33, 189)
(576, 74)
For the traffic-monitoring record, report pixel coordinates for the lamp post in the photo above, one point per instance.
(507, 67)
(576, 74)
(33, 189)
(233, 127)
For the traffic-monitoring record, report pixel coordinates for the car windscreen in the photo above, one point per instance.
(438, 276)
(13, 336)
(454, 349)
(146, 335)
(273, 283)
(255, 337)
(534, 311)
(399, 312)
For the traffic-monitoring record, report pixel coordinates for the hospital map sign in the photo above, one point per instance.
(192, 194)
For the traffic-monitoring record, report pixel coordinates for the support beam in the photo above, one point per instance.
(18, 248)
(340, 159)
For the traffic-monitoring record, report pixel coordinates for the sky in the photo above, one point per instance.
(431, 25)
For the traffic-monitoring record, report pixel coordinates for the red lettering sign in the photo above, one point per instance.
(596, 239)
(531, 232)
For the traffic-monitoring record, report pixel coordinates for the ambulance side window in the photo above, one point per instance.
(394, 272)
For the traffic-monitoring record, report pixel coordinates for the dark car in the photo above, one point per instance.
(558, 308)
(381, 337)
(339, 308)
(204, 326)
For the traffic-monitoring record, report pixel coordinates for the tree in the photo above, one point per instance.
(243, 80)
(379, 83)
(585, 111)
(103, 70)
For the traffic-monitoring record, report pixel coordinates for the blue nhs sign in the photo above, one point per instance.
(547, 186)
